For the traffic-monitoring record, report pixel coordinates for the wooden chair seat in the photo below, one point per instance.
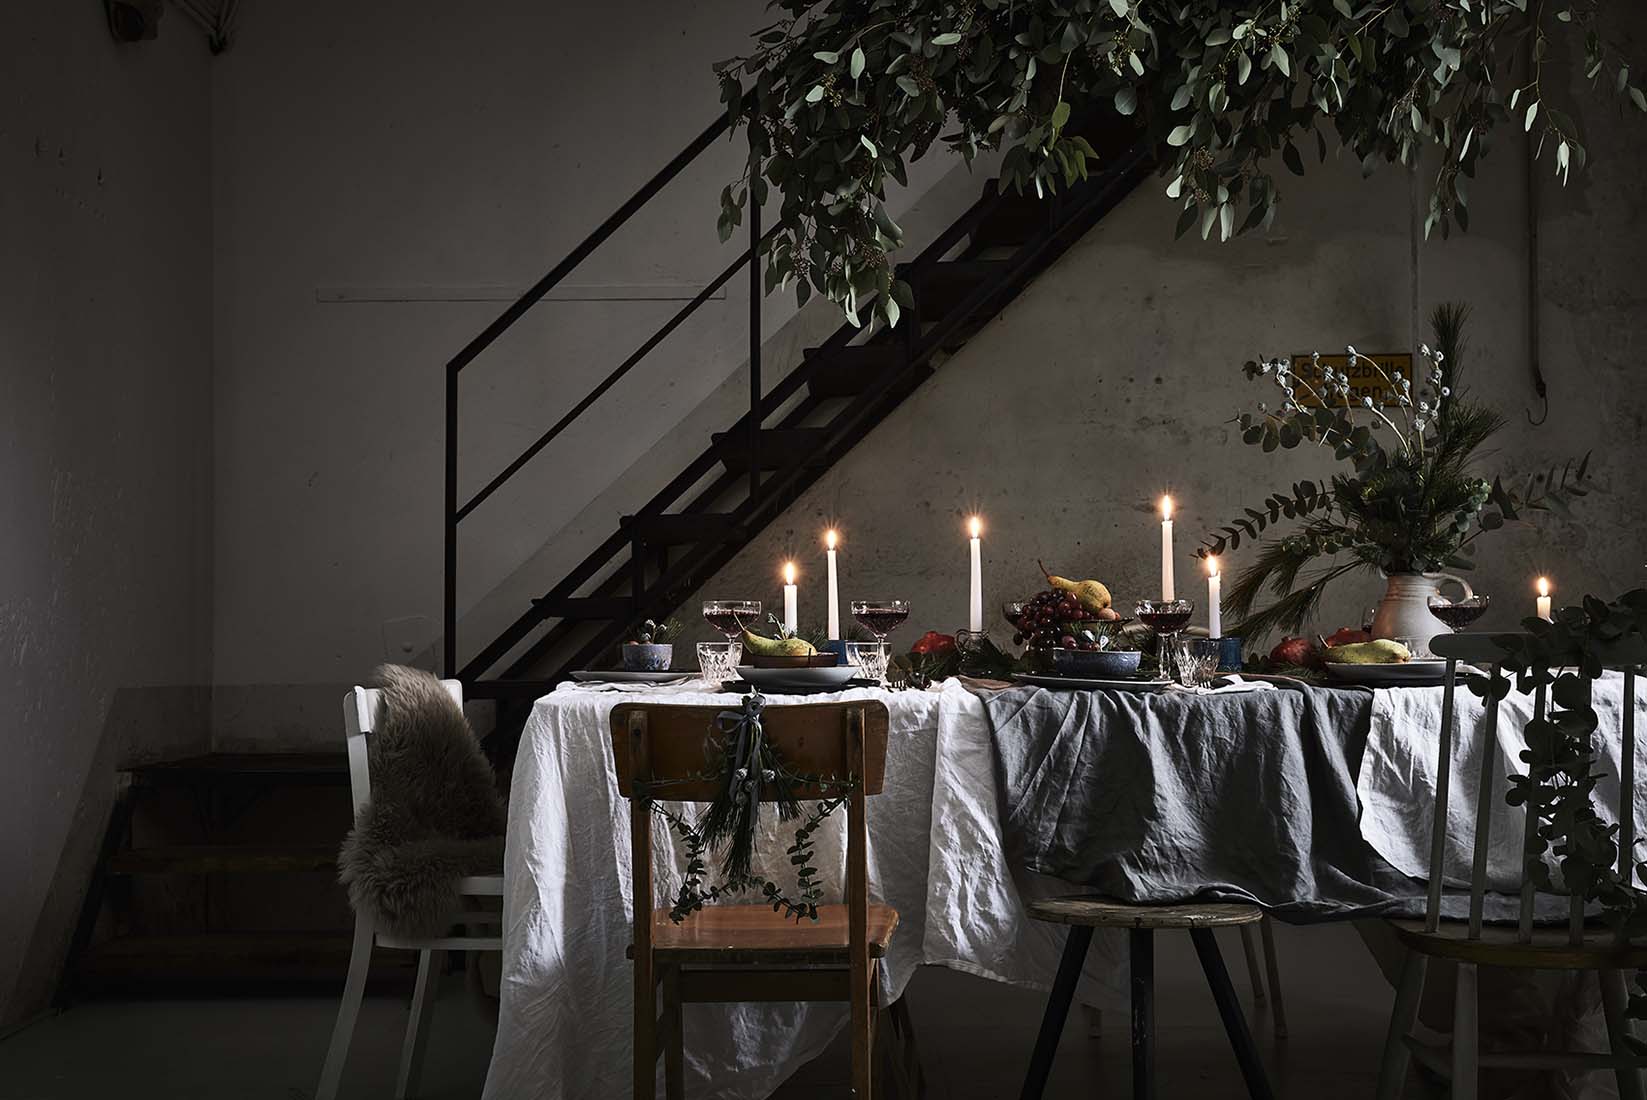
(755, 934)
(1499, 946)
(1097, 912)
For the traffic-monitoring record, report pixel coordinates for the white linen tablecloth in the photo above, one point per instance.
(935, 854)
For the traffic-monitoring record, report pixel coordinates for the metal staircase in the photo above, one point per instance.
(749, 474)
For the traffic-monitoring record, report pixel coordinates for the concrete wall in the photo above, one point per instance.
(105, 405)
(1112, 379)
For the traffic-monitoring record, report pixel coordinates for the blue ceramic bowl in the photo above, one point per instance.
(1096, 664)
(648, 656)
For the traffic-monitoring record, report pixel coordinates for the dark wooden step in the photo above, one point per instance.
(211, 859)
(586, 607)
(1013, 220)
(510, 689)
(231, 960)
(941, 287)
(326, 769)
(849, 371)
(670, 529)
(779, 448)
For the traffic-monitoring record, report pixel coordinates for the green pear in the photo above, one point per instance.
(1091, 595)
(1380, 652)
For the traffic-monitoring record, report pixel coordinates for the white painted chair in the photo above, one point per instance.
(1473, 943)
(361, 708)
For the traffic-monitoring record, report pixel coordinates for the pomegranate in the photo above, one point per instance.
(1296, 651)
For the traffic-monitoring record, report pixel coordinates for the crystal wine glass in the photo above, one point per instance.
(729, 616)
(880, 617)
(1167, 618)
(1458, 614)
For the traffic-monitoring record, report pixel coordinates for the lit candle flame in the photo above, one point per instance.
(977, 526)
(1166, 507)
(829, 538)
(789, 572)
(1212, 565)
(1543, 586)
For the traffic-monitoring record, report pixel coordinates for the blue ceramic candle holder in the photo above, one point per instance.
(1229, 654)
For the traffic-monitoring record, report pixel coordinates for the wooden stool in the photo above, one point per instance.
(1084, 914)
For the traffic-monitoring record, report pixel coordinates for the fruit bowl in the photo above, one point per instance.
(1097, 664)
(799, 660)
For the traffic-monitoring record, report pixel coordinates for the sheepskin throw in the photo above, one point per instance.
(434, 815)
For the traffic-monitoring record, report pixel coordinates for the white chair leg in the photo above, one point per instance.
(1392, 1070)
(1466, 1035)
(1249, 947)
(429, 965)
(1272, 963)
(354, 988)
(1615, 999)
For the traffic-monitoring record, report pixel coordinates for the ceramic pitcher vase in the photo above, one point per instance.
(1404, 612)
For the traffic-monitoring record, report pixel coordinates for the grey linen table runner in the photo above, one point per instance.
(1244, 796)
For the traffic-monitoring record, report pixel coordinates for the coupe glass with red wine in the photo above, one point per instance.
(730, 616)
(1458, 614)
(1167, 618)
(880, 617)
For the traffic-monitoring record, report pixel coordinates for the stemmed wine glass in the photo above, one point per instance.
(880, 618)
(729, 616)
(1167, 618)
(1458, 614)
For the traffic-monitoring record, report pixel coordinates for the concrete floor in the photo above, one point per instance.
(974, 1036)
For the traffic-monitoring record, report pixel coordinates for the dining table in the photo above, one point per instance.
(1312, 801)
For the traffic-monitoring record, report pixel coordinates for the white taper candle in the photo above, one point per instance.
(1215, 598)
(834, 589)
(975, 599)
(1166, 550)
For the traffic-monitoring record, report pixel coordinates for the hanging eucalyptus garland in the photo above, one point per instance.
(748, 766)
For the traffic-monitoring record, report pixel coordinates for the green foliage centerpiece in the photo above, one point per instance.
(1410, 501)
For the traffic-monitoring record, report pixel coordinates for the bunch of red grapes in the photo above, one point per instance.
(1056, 619)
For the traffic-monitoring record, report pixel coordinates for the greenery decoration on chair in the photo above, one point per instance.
(1567, 655)
(1411, 501)
(839, 96)
(744, 764)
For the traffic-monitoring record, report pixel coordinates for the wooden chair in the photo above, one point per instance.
(1472, 944)
(361, 708)
(732, 952)
(1083, 914)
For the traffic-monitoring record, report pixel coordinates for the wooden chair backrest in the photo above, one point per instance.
(1487, 651)
(658, 743)
(362, 711)
(653, 742)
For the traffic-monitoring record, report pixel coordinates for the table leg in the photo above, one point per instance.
(1141, 944)
(1229, 1008)
(1052, 1024)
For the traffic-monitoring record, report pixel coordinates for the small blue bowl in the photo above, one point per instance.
(648, 656)
(1096, 664)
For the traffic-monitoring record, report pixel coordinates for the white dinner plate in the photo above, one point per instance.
(777, 679)
(1407, 672)
(1081, 683)
(624, 676)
